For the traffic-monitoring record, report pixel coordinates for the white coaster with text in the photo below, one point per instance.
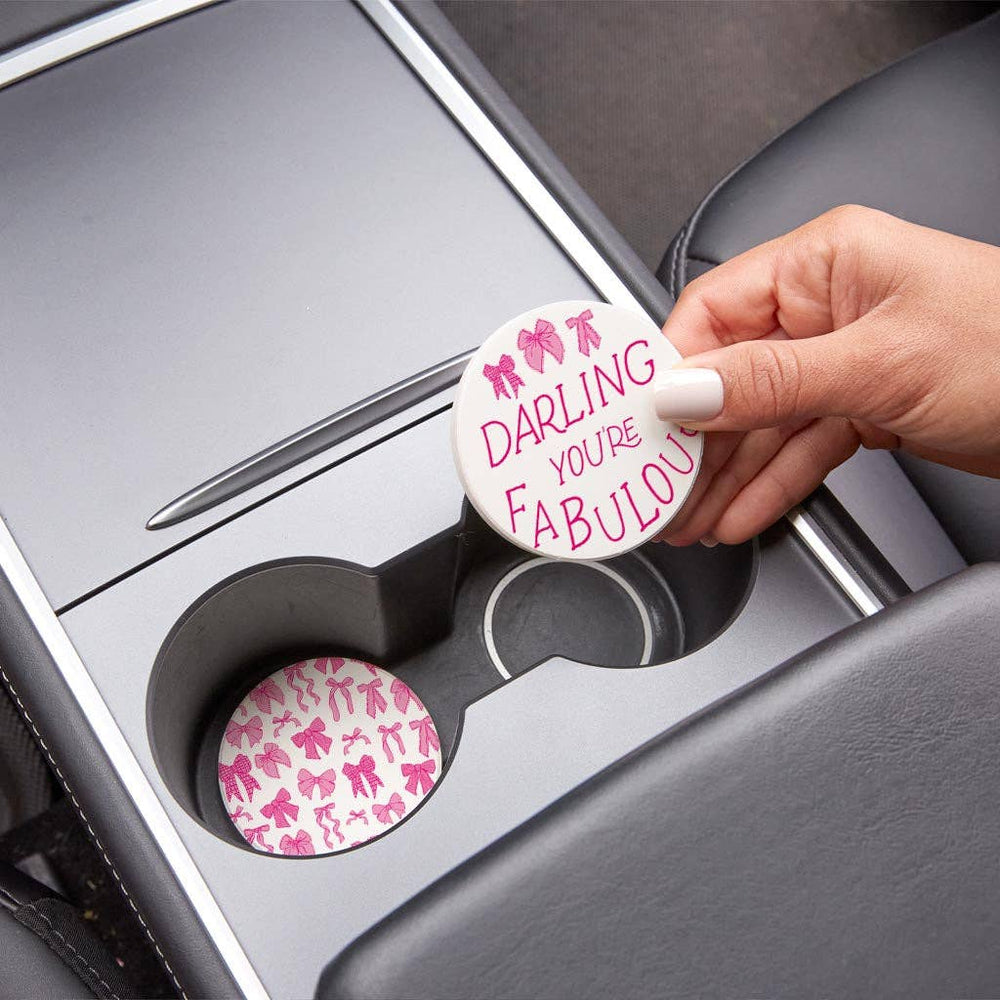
(556, 438)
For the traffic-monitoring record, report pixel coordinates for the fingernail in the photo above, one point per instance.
(709, 541)
(688, 394)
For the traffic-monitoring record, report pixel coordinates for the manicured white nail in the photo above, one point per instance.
(688, 394)
(709, 541)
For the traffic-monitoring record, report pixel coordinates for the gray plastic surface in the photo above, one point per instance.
(519, 748)
(877, 494)
(215, 233)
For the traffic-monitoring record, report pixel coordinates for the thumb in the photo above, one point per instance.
(765, 383)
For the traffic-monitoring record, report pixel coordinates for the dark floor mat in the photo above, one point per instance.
(26, 784)
(650, 103)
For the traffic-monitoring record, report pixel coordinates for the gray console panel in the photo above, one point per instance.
(518, 750)
(878, 495)
(215, 233)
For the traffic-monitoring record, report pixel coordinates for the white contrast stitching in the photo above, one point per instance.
(90, 830)
(34, 909)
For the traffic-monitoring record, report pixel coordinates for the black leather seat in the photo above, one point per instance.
(921, 140)
(47, 950)
(829, 831)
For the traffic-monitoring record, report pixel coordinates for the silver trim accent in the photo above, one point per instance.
(317, 437)
(508, 578)
(91, 34)
(102, 722)
(817, 543)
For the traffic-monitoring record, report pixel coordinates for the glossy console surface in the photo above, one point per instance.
(215, 233)
(519, 747)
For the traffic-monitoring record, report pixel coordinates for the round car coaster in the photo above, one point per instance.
(556, 437)
(325, 754)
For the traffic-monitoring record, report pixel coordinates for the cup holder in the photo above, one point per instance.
(450, 619)
(620, 615)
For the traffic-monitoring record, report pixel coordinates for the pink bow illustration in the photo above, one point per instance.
(324, 815)
(255, 835)
(280, 808)
(311, 737)
(419, 774)
(384, 813)
(544, 338)
(281, 721)
(232, 775)
(342, 687)
(371, 668)
(357, 814)
(402, 695)
(269, 760)
(324, 782)
(585, 333)
(299, 845)
(374, 702)
(294, 673)
(266, 692)
(239, 814)
(504, 368)
(393, 732)
(335, 663)
(252, 730)
(358, 774)
(428, 736)
(349, 739)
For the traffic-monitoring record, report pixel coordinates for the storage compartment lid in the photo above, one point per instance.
(216, 233)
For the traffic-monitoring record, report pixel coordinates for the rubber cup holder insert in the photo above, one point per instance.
(610, 614)
(325, 754)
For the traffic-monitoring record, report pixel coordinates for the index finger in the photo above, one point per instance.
(778, 289)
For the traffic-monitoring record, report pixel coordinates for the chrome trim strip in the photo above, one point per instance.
(96, 31)
(817, 543)
(102, 722)
(310, 441)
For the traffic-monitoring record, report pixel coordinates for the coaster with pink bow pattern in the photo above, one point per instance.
(325, 754)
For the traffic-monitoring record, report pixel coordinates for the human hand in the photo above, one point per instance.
(856, 329)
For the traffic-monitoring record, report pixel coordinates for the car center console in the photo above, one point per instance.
(220, 231)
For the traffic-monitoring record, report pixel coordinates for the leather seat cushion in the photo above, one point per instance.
(827, 832)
